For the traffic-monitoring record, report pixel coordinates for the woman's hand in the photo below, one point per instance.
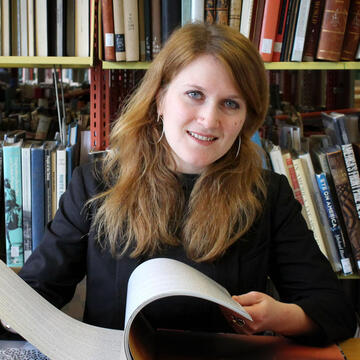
(7, 327)
(269, 314)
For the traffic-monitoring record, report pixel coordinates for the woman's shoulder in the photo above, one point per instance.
(277, 185)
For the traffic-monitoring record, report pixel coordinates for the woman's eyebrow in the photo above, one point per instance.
(198, 87)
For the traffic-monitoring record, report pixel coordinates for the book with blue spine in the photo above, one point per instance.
(343, 248)
(13, 204)
(37, 194)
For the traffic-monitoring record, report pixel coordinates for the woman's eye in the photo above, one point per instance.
(231, 104)
(197, 95)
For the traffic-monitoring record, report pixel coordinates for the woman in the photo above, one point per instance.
(184, 180)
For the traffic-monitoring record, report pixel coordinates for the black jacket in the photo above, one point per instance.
(278, 246)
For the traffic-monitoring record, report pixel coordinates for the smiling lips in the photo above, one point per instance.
(196, 136)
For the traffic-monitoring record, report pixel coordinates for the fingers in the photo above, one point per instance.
(238, 323)
(250, 298)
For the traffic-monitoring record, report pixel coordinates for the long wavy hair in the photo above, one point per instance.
(143, 209)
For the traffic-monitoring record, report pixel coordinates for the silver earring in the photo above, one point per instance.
(239, 146)
(159, 119)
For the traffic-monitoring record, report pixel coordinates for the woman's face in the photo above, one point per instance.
(203, 113)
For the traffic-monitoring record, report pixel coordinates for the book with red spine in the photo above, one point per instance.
(108, 30)
(280, 30)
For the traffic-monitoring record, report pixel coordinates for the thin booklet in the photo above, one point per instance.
(60, 337)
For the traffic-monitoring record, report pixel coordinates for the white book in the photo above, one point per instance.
(277, 161)
(23, 28)
(197, 10)
(60, 173)
(246, 16)
(185, 12)
(82, 28)
(60, 337)
(41, 28)
(300, 31)
(31, 27)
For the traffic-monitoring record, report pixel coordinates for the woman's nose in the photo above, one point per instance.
(209, 116)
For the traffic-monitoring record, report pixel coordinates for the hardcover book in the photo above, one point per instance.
(332, 30)
(280, 30)
(13, 204)
(222, 12)
(170, 17)
(65, 338)
(119, 29)
(235, 14)
(209, 16)
(108, 30)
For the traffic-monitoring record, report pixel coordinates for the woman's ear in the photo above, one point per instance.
(159, 100)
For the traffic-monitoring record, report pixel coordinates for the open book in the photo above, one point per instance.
(61, 337)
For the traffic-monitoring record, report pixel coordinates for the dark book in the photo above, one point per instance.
(289, 43)
(108, 30)
(156, 26)
(332, 31)
(37, 194)
(338, 236)
(2, 207)
(352, 32)
(280, 31)
(288, 24)
(148, 36)
(222, 12)
(346, 200)
(334, 126)
(210, 6)
(256, 22)
(313, 29)
(51, 28)
(170, 17)
(70, 28)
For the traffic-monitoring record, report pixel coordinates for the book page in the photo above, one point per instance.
(52, 332)
(162, 277)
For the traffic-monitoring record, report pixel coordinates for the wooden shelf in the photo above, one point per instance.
(45, 61)
(315, 65)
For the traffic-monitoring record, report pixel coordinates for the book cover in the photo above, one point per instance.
(333, 220)
(290, 30)
(68, 338)
(185, 12)
(222, 12)
(52, 27)
(60, 28)
(13, 204)
(332, 31)
(24, 50)
(346, 201)
(235, 14)
(352, 32)
(108, 30)
(41, 28)
(210, 11)
(82, 28)
(268, 30)
(60, 172)
(5, 28)
(197, 10)
(256, 22)
(313, 29)
(170, 17)
(37, 194)
(300, 31)
(279, 36)
(31, 27)
(288, 23)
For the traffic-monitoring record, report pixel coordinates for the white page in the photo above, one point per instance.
(162, 277)
(52, 332)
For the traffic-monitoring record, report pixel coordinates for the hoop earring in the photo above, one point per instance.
(239, 146)
(159, 119)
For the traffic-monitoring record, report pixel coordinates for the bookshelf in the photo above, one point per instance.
(45, 61)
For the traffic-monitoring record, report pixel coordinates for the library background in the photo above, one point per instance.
(65, 71)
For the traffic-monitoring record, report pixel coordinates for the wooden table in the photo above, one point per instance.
(351, 348)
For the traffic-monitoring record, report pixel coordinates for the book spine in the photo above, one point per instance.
(131, 22)
(155, 27)
(352, 32)
(141, 16)
(37, 195)
(197, 10)
(108, 30)
(147, 20)
(279, 37)
(185, 12)
(48, 185)
(293, 180)
(60, 174)
(13, 206)
(26, 197)
(339, 240)
(53, 183)
(70, 28)
(119, 30)
(313, 29)
(309, 205)
(209, 16)
(346, 201)
(300, 32)
(332, 30)
(256, 22)
(235, 14)
(170, 17)
(268, 31)
(222, 12)
(353, 173)
(246, 16)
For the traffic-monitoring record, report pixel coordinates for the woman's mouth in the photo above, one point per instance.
(201, 137)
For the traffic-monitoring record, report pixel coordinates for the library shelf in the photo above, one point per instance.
(45, 61)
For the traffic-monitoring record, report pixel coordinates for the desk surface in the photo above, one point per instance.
(351, 348)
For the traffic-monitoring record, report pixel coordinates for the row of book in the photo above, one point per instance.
(323, 171)
(35, 174)
(45, 28)
(282, 30)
